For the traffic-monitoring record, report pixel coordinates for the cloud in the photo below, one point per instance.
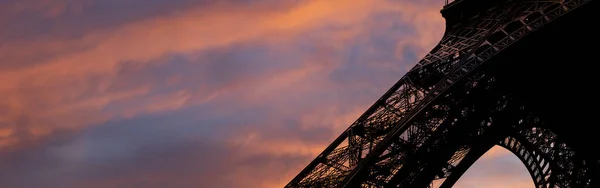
(154, 151)
(192, 93)
(79, 75)
(82, 77)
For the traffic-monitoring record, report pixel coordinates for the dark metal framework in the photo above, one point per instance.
(445, 113)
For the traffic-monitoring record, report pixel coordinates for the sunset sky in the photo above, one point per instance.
(200, 93)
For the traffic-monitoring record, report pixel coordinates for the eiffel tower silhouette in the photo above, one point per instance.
(514, 73)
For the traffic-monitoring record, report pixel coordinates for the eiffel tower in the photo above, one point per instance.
(512, 73)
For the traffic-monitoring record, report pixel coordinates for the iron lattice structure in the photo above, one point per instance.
(499, 76)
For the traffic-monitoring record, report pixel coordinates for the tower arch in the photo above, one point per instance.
(497, 168)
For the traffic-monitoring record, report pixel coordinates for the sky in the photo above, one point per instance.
(201, 93)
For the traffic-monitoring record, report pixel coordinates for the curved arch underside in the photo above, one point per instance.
(538, 149)
(497, 168)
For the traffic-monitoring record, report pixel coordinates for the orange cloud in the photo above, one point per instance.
(60, 82)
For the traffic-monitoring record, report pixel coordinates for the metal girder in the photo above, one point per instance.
(479, 122)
